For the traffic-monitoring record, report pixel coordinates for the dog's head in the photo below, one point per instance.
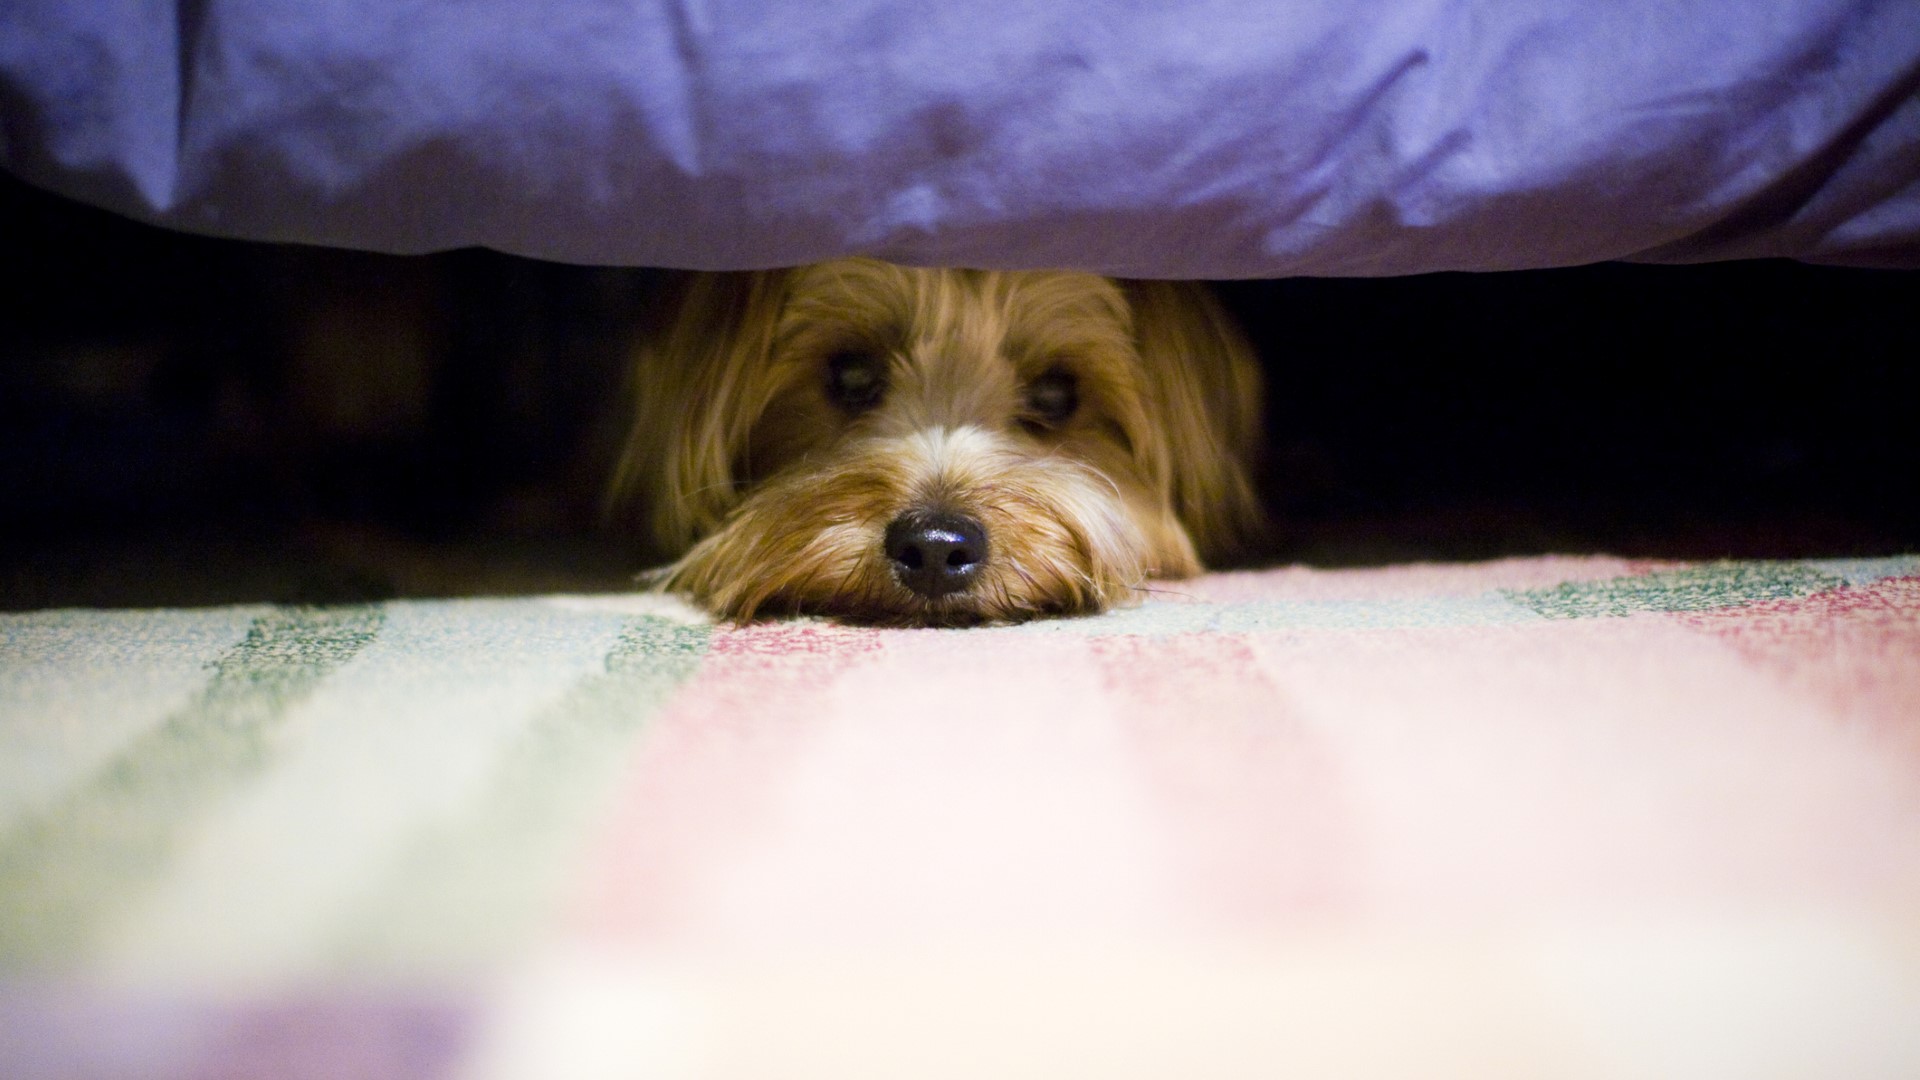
(938, 446)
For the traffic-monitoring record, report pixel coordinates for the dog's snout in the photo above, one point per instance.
(935, 554)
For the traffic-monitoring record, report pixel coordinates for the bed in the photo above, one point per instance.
(1222, 139)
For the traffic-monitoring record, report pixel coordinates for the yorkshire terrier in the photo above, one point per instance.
(906, 446)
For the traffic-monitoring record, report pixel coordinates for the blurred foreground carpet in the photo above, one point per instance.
(1537, 817)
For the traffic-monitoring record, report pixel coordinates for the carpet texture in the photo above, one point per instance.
(1569, 817)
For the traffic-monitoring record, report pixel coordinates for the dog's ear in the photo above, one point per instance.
(697, 392)
(1205, 385)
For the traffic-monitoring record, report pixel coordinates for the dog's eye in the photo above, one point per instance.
(856, 380)
(1053, 397)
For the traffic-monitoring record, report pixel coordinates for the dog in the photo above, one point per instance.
(937, 447)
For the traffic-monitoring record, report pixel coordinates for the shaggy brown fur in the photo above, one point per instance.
(1098, 431)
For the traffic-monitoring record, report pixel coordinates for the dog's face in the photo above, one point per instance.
(938, 447)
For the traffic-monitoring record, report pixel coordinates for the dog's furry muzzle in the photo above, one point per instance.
(1059, 537)
(914, 446)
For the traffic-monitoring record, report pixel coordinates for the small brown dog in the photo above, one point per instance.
(938, 447)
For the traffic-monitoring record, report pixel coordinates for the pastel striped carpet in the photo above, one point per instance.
(1544, 817)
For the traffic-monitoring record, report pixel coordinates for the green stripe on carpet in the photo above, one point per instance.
(1694, 588)
(77, 687)
(66, 869)
(267, 891)
(449, 905)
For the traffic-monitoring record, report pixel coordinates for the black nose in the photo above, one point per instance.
(936, 553)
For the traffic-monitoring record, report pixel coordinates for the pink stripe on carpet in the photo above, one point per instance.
(1261, 828)
(1600, 767)
(1405, 582)
(705, 777)
(1854, 652)
(952, 784)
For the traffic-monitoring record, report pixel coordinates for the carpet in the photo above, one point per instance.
(1537, 817)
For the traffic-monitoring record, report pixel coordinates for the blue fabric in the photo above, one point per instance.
(1213, 138)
